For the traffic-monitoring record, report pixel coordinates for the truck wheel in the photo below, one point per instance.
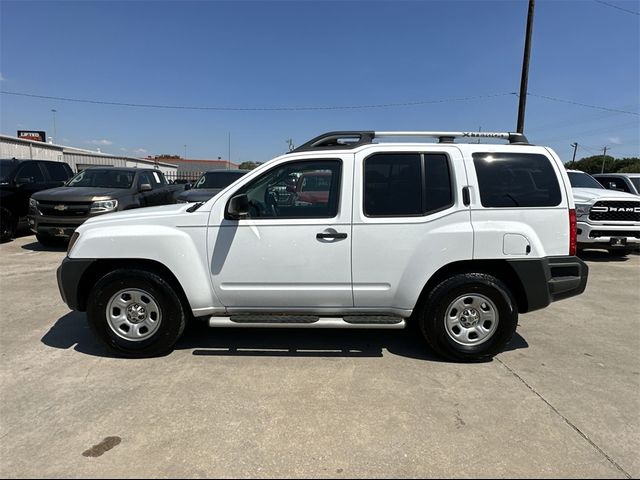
(8, 225)
(469, 317)
(136, 313)
(49, 240)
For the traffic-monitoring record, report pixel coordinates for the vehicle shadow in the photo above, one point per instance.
(72, 331)
(38, 247)
(603, 256)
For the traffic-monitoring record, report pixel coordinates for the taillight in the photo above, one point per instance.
(573, 233)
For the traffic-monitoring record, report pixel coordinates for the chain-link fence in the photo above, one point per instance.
(182, 177)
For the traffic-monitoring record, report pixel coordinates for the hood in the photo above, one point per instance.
(80, 194)
(137, 213)
(587, 195)
(199, 194)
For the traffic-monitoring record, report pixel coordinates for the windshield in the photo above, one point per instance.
(636, 182)
(97, 177)
(583, 180)
(218, 179)
(6, 169)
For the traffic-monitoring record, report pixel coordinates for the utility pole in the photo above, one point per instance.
(55, 133)
(185, 152)
(524, 80)
(604, 157)
(229, 156)
(575, 149)
(290, 143)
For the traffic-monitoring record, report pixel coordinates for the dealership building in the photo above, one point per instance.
(77, 158)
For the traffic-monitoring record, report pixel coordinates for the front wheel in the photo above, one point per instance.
(8, 225)
(136, 313)
(469, 317)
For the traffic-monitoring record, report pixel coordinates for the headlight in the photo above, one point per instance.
(582, 209)
(103, 206)
(33, 203)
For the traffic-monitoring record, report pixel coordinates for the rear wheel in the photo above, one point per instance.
(8, 225)
(136, 313)
(469, 317)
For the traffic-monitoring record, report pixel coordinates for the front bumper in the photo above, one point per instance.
(54, 226)
(548, 279)
(602, 234)
(69, 275)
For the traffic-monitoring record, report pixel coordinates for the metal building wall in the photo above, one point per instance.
(29, 150)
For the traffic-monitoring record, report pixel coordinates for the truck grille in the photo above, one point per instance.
(615, 211)
(64, 209)
(614, 233)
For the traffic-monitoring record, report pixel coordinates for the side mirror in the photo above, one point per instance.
(238, 207)
(145, 187)
(187, 186)
(24, 180)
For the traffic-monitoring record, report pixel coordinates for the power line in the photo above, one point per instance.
(253, 109)
(617, 7)
(583, 104)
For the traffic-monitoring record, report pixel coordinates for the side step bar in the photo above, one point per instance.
(307, 321)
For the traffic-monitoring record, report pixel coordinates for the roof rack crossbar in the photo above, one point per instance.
(352, 139)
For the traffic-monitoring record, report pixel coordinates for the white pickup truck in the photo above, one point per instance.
(607, 219)
(346, 231)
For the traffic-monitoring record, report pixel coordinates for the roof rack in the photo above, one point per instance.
(351, 139)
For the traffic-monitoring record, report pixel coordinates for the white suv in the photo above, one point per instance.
(606, 218)
(343, 232)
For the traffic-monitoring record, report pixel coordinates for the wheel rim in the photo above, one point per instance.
(471, 319)
(133, 314)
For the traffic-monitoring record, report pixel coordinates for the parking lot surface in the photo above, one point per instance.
(563, 400)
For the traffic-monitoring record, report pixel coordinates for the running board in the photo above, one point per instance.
(308, 321)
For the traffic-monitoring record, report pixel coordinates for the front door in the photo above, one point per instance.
(293, 252)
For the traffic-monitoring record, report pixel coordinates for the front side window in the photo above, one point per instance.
(31, 170)
(305, 189)
(406, 184)
(57, 172)
(516, 180)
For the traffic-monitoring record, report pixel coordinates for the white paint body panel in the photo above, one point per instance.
(279, 265)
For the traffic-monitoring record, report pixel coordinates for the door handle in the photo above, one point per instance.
(327, 235)
(466, 197)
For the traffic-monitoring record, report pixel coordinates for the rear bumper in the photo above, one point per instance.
(549, 279)
(69, 275)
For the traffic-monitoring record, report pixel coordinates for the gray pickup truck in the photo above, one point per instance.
(55, 214)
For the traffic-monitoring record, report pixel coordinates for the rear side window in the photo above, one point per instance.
(32, 171)
(516, 180)
(57, 172)
(406, 184)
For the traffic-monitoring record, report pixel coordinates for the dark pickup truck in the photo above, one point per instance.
(55, 214)
(19, 179)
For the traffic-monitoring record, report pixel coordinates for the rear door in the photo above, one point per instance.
(409, 219)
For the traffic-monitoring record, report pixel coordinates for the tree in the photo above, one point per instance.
(593, 164)
(167, 156)
(249, 165)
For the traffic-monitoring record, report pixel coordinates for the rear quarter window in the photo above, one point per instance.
(516, 180)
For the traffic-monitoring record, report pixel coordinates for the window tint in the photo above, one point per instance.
(404, 184)
(145, 178)
(309, 189)
(31, 170)
(57, 171)
(516, 180)
(583, 180)
(155, 178)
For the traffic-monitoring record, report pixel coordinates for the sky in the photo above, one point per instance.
(262, 72)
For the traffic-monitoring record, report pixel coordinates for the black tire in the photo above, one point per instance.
(50, 240)
(8, 225)
(433, 324)
(173, 317)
